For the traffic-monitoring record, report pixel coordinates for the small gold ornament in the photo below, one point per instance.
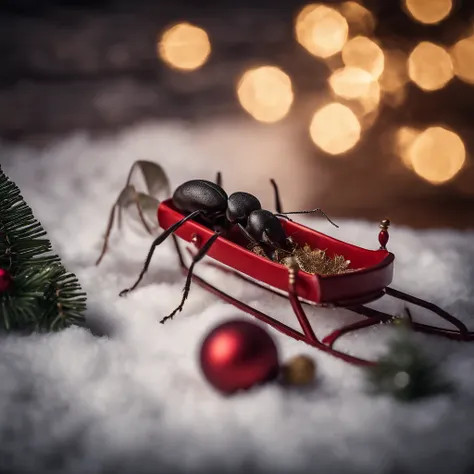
(300, 370)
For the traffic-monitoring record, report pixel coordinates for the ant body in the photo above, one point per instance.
(207, 201)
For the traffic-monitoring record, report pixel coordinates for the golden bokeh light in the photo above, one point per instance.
(351, 82)
(437, 154)
(184, 46)
(335, 129)
(356, 84)
(404, 138)
(363, 53)
(429, 12)
(430, 66)
(462, 54)
(371, 101)
(395, 74)
(361, 21)
(266, 93)
(321, 30)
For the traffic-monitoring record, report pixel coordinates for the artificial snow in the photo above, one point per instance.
(134, 399)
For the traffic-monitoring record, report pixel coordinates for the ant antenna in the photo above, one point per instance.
(219, 179)
(309, 212)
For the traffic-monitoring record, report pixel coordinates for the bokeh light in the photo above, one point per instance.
(462, 54)
(363, 53)
(351, 82)
(356, 84)
(395, 99)
(371, 101)
(395, 74)
(404, 138)
(430, 66)
(184, 46)
(321, 30)
(437, 154)
(429, 12)
(335, 129)
(361, 21)
(266, 93)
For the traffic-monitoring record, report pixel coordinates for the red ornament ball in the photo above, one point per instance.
(237, 355)
(6, 281)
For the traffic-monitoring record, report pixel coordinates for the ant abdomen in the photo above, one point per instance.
(200, 195)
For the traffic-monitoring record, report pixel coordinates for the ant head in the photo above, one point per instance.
(240, 205)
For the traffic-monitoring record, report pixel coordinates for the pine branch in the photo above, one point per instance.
(44, 296)
(405, 372)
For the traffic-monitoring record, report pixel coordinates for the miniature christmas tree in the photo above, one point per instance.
(36, 291)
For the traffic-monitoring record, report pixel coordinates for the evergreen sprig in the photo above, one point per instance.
(44, 295)
(405, 372)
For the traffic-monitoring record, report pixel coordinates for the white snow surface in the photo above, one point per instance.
(135, 400)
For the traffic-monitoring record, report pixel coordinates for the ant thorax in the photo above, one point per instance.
(240, 205)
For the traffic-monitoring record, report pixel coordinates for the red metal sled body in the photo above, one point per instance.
(370, 279)
(373, 269)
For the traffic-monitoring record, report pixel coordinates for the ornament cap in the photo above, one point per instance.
(385, 224)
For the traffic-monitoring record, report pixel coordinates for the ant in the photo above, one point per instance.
(206, 201)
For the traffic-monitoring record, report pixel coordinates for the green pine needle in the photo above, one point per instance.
(44, 295)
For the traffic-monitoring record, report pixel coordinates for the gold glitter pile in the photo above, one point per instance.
(314, 261)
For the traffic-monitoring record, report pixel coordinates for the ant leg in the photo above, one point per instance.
(161, 238)
(110, 222)
(108, 230)
(127, 195)
(277, 196)
(155, 181)
(136, 199)
(247, 235)
(199, 256)
(219, 179)
(134, 166)
(308, 212)
(284, 217)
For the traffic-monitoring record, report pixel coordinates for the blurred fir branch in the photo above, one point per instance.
(405, 372)
(43, 295)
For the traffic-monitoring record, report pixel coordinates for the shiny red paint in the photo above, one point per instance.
(237, 355)
(372, 269)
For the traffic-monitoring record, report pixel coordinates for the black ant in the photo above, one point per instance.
(207, 201)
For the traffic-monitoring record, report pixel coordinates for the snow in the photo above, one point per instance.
(134, 400)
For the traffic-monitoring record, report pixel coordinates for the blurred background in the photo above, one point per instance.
(364, 108)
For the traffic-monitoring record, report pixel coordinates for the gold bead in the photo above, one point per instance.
(300, 370)
(385, 224)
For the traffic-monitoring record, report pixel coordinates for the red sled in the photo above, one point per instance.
(371, 273)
